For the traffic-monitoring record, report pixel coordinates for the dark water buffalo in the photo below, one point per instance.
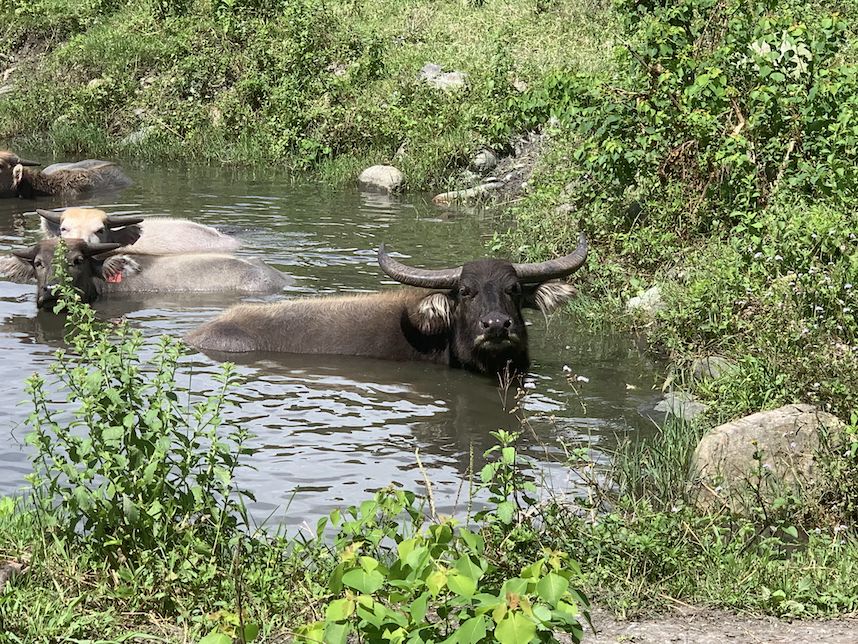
(474, 322)
(153, 236)
(8, 162)
(19, 179)
(94, 273)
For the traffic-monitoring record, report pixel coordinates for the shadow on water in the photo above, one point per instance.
(328, 428)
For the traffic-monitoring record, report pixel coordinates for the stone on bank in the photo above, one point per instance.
(381, 178)
(768, 451)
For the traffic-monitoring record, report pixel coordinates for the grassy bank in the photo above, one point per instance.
(312, 85)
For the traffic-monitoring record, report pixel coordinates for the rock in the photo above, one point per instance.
(785, 440)
(565, 209)
(648, 303)
(713, 367)
(465, 196)
(138, 137)
(382, 178)
(432, 75)
(680, 404)
(484, 161)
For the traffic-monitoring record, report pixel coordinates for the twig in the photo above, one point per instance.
(783, 165)
(428, 485)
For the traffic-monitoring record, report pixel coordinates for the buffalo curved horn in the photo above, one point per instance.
(444, 278)
(97, 249)
(53, 216)
(117, 221)
(554, 268)
(26, 162)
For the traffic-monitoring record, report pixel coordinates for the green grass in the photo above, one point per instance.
(319, 86)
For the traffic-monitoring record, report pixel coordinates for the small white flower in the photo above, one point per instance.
(847, 286)
(582, 379)
(757, 255)
(778, 258)
(567, 369)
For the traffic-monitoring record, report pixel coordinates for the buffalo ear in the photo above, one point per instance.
(433, 314)
(19, 267)
(116, 265)
(126, 235)
(547, 296)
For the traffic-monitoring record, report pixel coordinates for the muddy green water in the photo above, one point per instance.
(331, 429)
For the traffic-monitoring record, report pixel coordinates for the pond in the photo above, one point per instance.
(331, 429)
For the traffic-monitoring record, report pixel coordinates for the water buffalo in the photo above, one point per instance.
(154, 236)
(474, 321)
(8, 162)
(66, 179)
(95, 273)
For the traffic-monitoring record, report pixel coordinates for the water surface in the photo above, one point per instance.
(331, 429)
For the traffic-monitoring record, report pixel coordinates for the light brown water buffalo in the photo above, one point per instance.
(63, 179)
(474, 322)
(152, 236)
(94, 272)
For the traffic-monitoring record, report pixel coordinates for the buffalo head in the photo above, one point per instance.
(10, 168)
(83, 265)
(91, 225)
(480, 306)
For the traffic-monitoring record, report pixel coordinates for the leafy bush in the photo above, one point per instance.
(126, 465)
(400, 580)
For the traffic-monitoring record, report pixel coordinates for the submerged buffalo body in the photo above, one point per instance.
(94, 273)
(153, 236)
(475, 322)
(18, 178)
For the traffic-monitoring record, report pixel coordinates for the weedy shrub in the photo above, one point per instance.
(127, 465)
(400, 578)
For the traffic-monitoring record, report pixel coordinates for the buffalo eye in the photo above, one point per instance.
(100, 231)
(64, 229)
(514, 289)
(38, 263)
(78, 260)
(465, 291)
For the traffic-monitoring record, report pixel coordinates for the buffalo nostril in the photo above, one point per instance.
(485, 324)
(507, 323)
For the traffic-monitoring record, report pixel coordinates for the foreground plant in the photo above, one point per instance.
(400, 578)
(127, 464)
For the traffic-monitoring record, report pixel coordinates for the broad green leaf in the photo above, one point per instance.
(551, 588)
(515, 628)
(251, 632)
(436, 581)
(216, 638)
(364, 581)
(418, 608)
(471, 630)
(340, 610)
(336, 633)
(462, 585)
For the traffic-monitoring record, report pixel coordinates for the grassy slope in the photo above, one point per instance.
(315, 84)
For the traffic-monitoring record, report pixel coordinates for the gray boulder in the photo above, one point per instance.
(432, 75)
(680, 404)
(381, 178)
(484, 161)
(713, 367)
(647, 303)
(470, 195)
(785, 442)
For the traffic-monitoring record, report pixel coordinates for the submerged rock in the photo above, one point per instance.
(765, 451)
(383, 178)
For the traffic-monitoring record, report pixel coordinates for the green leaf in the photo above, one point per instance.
(471, 630)
(216, 638)
(515, 628)
(551, 588)
(364, 581)
(339, 610)
(336, 633)
(418, 608)
(505, 511)
(462, 585)
(251, 632)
